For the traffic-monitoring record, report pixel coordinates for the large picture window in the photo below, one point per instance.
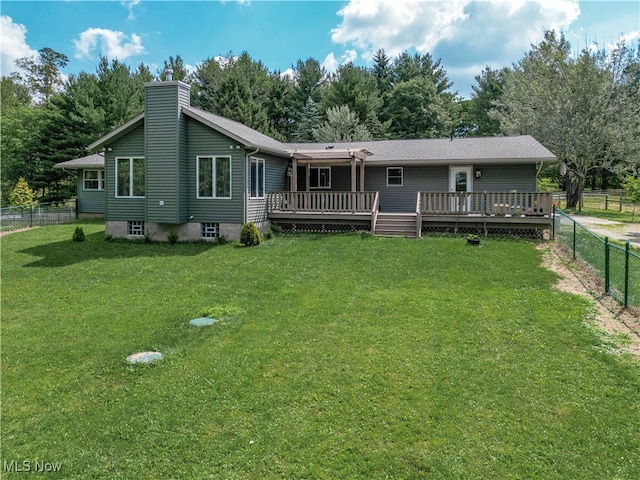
(93, 180)
(214, 177)
(130, 179)
(320, 177)
(256, 178)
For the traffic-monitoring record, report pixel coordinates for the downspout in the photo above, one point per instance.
(247, 176)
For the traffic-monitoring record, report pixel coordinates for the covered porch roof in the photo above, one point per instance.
(328, 156)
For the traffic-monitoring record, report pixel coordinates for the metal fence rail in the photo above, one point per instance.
(616, 265)
(13, 218)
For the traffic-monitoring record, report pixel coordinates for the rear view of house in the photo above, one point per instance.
(179, 168)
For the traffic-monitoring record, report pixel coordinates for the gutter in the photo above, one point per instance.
(246, 181)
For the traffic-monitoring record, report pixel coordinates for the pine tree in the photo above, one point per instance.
(309, 120)
(21, 195)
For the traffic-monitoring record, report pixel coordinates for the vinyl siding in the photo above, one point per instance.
(89, 201)
(415, 179)
(495, 178)
(165, 167)
(204, 141)
(275, 181)
(504, 178)
(123, 209)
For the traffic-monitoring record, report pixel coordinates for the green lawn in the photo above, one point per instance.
(335, 357)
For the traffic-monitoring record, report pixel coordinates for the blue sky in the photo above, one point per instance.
(466, 35)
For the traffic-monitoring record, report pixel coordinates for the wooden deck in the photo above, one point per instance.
(491, 211)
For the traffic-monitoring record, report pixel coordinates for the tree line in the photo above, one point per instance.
(583, 107)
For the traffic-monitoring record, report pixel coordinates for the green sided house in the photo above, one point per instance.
(175, 167)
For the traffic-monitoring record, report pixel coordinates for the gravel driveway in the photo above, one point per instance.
(622, 232)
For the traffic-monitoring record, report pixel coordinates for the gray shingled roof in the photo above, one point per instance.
(480, 150)
(522, 149)
(236, 130)
(91, 161)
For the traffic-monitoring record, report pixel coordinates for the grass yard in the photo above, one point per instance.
(335, 357)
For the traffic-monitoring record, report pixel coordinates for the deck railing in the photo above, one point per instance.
(323, 202)
(485, 203)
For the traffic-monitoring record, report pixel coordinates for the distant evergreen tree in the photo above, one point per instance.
(489, 88)
(280, 107)
(309, 120)
(382, 71)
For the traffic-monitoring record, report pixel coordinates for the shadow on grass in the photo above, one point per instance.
(60, 254)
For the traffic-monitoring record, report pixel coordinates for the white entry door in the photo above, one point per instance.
(460, 181)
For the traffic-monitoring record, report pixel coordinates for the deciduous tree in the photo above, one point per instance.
(342, 125)
(575, 106)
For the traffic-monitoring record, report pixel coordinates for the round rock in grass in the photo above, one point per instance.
(144, 357)
(203, 321)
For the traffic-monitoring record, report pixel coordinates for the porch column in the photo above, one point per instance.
(362, 175)
(294, 174)
(353, 174)
(308, 174)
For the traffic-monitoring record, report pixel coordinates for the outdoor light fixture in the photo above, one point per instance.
(478, 173)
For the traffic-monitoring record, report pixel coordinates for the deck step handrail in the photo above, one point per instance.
(485, 203)
(323, 202)
(375, 209)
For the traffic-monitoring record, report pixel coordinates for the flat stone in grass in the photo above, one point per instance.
(203, 321)
(144, 357)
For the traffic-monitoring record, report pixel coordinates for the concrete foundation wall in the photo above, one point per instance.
(187, 232)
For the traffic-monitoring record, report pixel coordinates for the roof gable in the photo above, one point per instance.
(239, 132)
(117, 133)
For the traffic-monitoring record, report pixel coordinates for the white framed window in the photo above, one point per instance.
(213, 177)
(130, 177)
(256, 178)
(320, 177)
(394, 176)
(135, 228)
(209, 230)
(93, 180)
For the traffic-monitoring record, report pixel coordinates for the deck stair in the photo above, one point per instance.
(396, 225)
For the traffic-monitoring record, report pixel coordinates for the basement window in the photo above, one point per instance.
(209, 230)
(135, 228)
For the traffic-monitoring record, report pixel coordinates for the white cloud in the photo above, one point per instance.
(109, 43)
(629, 38)
(129, 5)
(503, 27)
(288, 73)
(331, 63)
(14, 45)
